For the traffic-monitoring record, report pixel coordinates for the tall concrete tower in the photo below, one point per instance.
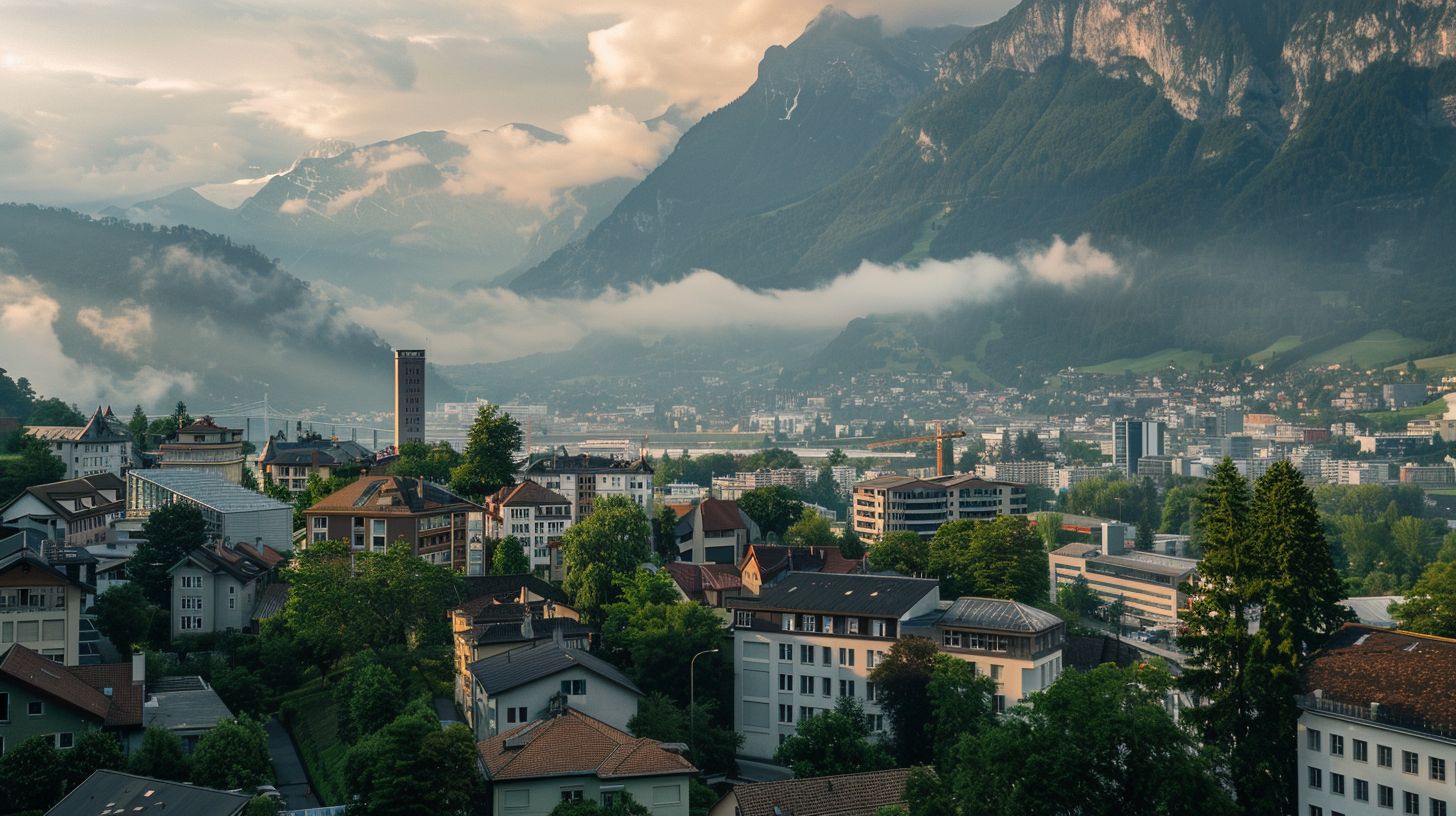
(409, 396)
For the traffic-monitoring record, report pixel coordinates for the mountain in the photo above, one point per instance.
(365, 217)
(1244, 159)
(157, 314)
(817, 106)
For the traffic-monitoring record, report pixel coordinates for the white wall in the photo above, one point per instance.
(1370, 771)
(605, 700)
(662, 795)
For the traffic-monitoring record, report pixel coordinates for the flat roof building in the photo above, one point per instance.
(1147, 583)
(233, 512)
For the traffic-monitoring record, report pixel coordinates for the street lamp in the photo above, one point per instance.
(693, 700)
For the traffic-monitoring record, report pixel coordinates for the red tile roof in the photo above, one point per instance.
(574, 744)
(126, 696)
(79, 686)
(528, 493)
(861, 794)
(692, 579)
(1411, 676)
(720, 515)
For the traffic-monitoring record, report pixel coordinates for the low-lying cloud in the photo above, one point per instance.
(127, 330)
(496, 324)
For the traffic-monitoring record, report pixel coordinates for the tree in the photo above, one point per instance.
(249, 480)
(902, 551)
(1049, 527)
(232, 754)
(160, 756)
(599, 549)
(171, 532)
(93, 750)
(411, 767)
(971, 457)
(374, 699)
(489, 461)
(712, 747)
(772, 508)
(1078, 597)
(509, 558)
(123, 615)
(1430, 605)
(55, 412)
(36, 466)
(811, 530)
(432, 462)
(961, 703)
(902, 681)
(652, 635)
(1001, 558)
(834, 742)
(664, 533)
(624, 805)
(770, 459)
(849, 544)
(1180, 509)
(32, 775)
(137, 427)
(836, 457)
(1130, 757)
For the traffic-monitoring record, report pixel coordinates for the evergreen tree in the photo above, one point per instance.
(850, 545)
(137, 427)
(170, 532)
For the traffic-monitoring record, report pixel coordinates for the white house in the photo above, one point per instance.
(76, 511)
(99, 446)
(216, 588)
(534, 515)
(527, 683)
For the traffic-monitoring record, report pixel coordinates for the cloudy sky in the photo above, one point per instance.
(116, 100)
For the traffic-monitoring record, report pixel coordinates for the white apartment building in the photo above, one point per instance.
(99, 446)
(1377, 729)
(583, 479)
(534, 515)
(892, 503)
(40, 607)
(1041, 473)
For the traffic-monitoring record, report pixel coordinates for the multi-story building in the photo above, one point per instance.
(1401, 395)
(375, 511)
(535, 516)
(811, 639)
(583, 479)
(1442, 475)
(217, 587)
(1147, 583)
(892, 503)
(232, 512)
(289, 464)
(716, 531)
(409, 396)
(100, 446)
(77, 511)
(1040, 473)
(524, 684)
(40, 607)
(1018, 646)
(1377, 725)
(1132, 439)
(971, 497)
(205, 446)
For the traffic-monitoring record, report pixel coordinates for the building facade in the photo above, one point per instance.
(78, 512)
(216, 588)
(893, 503)
(1018, 646)
(409, 396)
(40, 607)
(1132, 439)
(233, 513)
(977, 499)
(1148, 584)
(583, 479)
(530, 682)
(290, 464)
(99, 446)
(375, 511)
(537, 517)
(205, 446)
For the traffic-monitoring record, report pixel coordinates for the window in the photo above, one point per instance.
(786, 682)
(828, 625)
(807, 622)
(1316, 778)
(516, 715)
(806, 713)
(575, 688)
(1383, 756)
(853, 626)
(1386, 796)
(846, 688)
(571, 794)
(877, 627)
(825, 687)
(1361, 750)
(787, 621)
(1438, 769)
(1438, 807)
(1312, 739)
(377, 534)
(786, 651)
(1316, 810)
(827, 655)
(870, 692)
(1411, 801)
(806, 655)
(742, 618)
(786, 713)
(806, 684)
(1337, 784)
(1410, 762)
(846, 657)
(35, 708)
(5, 707)
(998, 702)
(65, 739)
(321, 523)
(1362, 790)
(1337, 745)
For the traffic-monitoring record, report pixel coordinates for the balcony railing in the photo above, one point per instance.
(1376, 714)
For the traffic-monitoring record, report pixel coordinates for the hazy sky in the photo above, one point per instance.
(114, 101)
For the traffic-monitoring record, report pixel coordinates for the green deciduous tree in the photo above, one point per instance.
(32, 775)
(137, 428)
(712, 747)
(36, 466)
(1078, 597)
(836, 457)
(170, 532)
(811, 530)
(961, 704)
(652, 635)
(489, 460)
(160, 755)
(55, 412)
(902, 680)
(374, 698)
(664, 533)
(1430, 606)
(837, 741)
(509, 557)
(903, 551)
(123, 615)
(850, 545)
(1001, 558)
(433, 461)
(411, 767)
(770, 459)
(772, 508)
(607, 545)
(232, 754)
(625, 805)
(93, 750)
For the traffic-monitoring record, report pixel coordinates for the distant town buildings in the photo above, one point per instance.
(536, 517)
(102, 445)
(409, 396)
(76, 511)
(290, 464)
(1132, 439)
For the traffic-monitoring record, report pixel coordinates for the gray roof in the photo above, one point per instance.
(182, 704)
(995, 613)
(843, 594)
(117, 792)
(508, 670)
(210, 490)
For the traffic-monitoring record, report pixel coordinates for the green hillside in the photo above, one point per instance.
(1283, 345)
(1372, 350)
(1167, 358)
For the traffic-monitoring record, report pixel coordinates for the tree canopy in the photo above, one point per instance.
(232, 754)
(170, 532)
(837, 741)
(1000, 558)
(811, 530)
(488, 462)
(598, 550)
(509, 557)
(772, 508)
(903, 551)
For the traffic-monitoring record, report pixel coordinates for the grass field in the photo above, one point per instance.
(1280, 346)
(1177, 358)
(1396, 420)
(1374, 349)
(1444, 362)
(313, 720)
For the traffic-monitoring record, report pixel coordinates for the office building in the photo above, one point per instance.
(409, 396)
(1377, 725)
(1147, 583)
(232, 512)
(892, 503)
(1132, 439)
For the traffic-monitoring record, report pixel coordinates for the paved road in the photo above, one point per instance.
(292, 782)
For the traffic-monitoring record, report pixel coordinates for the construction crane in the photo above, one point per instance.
(938, 438)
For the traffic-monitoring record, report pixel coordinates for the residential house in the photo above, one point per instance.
(528, 682)
(811, 639)
(708, 584)
(374, 512)
(290, 464)
(1018, 646)
(573, 757)
(116, 792)
(860, 794)
(1377, 725)
(217, 587)
(584, 478)
(1148, 584)
(764, 565)
(536, 517)
(39, 697)
(232, 512)
(187, 707)
(76, 563)
(40, 606)
(715, 531)
(76, 511)
(102, 445)
(206, 446)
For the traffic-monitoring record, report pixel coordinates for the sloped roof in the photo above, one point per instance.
(126, 695)
(529, 493)
(364, 495)
(270, 601)
(117, 792)
(996, 613)
(511, 632)
(897, 483)
(574, 744)
(517, 667)
(721, 514)
(586, 463)
(693, 579)
(209, 489)
(860, 794)
(60, 497)
(774, 559)
(97, 429)
(78, 686)
(1411, 676)
(217, 557)
(23, 555)
(327, 451)
(499, 586)
(845, 594)
(206, 425)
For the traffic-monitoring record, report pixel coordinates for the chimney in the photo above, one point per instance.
(525, 598)
(528, 631)
(1114, 538)
(420, 483)
(139, 667)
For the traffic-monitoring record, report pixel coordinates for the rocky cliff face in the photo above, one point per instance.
(1258, 59)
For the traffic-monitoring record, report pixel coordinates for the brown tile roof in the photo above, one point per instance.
(721, 514)
(529, 493)
(1411, 676)
(205, 425)
(79, 686)
(681, 509)
(772, 560)
(836, 563)
(692, 579)
(399, 494)
(266, 554)
(860, 794)
(574, 744)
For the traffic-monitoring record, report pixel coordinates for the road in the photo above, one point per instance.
(288, 767)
